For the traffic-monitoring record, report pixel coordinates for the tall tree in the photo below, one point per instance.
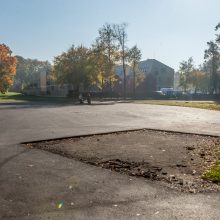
(134, 57)
(106, 42)
(212, 55)
(218, 35)
(75, 67)
(185, 70)
(7, 68)
(121, 35)
(101, 61)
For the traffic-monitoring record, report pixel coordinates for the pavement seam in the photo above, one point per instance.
(120, 131)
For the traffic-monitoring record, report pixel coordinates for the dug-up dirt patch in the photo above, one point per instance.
(173, 159)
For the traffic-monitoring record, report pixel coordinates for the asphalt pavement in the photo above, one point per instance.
(35, 184)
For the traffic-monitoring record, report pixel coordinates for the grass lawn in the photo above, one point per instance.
(213, 174)
(12, 97)
(211, 105)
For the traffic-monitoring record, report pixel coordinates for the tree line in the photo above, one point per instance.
(205, 78)
(95, 66)
(85, 67)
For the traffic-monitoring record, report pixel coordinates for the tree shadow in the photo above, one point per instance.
(33, 105)
(44, 104)
(19, 101)
(29, 98)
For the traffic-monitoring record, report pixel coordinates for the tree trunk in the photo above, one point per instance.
(110, 83)
(124, 73)
(134, 83)
(123, 63)
(195, 91)
(102, 85)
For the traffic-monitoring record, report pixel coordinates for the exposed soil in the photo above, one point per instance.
(176, 160)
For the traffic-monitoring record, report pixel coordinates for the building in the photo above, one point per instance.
(156, 75)
(161, 74)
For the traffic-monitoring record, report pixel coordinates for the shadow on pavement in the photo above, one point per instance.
(23, 105)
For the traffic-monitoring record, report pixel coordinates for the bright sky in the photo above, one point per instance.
(167, 30)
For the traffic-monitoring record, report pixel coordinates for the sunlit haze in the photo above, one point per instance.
(167, 30)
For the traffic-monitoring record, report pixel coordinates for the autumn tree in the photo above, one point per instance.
(101, 61)
(75, 67)
(185, 71)
(107, 48)
(134, 57)
(212, 56)
(199, 80)
(7, 68)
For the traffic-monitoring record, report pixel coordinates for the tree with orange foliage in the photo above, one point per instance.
(7, 68)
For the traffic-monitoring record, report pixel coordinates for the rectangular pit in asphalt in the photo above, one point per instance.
(175, 159)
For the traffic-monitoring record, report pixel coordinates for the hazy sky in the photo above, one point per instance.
(167, 30)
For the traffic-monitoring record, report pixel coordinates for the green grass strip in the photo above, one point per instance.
(213, 174)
